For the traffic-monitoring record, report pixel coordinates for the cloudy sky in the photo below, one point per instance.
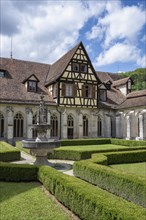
(113, 32)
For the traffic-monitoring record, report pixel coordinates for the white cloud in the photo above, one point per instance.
(49, 32)
(96, 32)
(120, 52)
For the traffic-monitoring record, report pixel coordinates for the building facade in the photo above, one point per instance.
(81, 102)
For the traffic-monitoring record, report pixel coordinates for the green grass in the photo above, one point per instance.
(93, 147)
(19, 147)
(27, 201)
(5, 147)
(138, 169)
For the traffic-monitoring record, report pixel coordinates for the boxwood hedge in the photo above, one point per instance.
(127, 186)
(85, 200)
(8, 153)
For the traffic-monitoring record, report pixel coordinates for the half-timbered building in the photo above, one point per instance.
(81, 102)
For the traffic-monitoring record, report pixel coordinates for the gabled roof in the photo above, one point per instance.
(12, 90)
(134, 99)
(121, 81)
(104, 77)
(57, 69)
(59, 66)
(32, 75)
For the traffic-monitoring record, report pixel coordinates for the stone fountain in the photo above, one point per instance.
(41, 146)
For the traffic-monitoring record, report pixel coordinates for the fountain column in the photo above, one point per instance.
(29, 122)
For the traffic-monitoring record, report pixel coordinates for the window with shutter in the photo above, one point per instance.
(63, 89)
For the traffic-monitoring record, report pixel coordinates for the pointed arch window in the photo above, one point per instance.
(99, 126)
(1, 125)
(85, 126)
(54, 126)
(18, 125)
(34, 121)
(70, 126)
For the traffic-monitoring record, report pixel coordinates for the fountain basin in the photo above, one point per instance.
(41, 149)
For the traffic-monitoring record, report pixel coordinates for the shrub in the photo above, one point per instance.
(87, 201)
(78, 142)
(18, 172)
(128, 142)
(127, 186)
(8, 153)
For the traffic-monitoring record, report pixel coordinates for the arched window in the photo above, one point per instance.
(1, 125)
(34, 121)
(54, 126)
(99, 126)
(18, 125)
(85, 126)
(70, 126)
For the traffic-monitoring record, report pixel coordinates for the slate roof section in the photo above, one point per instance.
(12, 88)
(57, 69)
(104, 76)
(134, 99)
(120, 82)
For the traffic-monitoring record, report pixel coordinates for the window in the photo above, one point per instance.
(55, 90)
(54, 126)
(32, 86)
(75, 67)
(83, 68)
(85, 126)
(88, 91)
(69, 89)
(2, 73)
(1, 125)
(70, 126)
(34, 121)
(99, 127)
(102, 95)
(18, 125)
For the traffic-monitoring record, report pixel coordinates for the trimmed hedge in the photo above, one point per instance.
(98, 141)
(18, 172)
(127, 186)
(8, 153)
(85, 200)
(76, 155)
(128, 142)
(78, 142)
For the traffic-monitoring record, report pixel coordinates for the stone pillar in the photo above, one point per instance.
(10, 123)
(29, 118)
(48, 135)
(144, 126)
(118, 126)
(107, 126)
(128, 128)
(80, 123)
(141, 127)
(64, 125)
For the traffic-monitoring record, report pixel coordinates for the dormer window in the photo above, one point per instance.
(103, 95)
(83, 68)
(32, 86)
(75, 67)
(2, 73)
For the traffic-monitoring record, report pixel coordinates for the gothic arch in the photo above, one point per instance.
(54, 125)
(70, 126)
(18, 125)
(2, 124)
(85, 126)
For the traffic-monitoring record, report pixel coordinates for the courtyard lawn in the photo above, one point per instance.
(27, 201)
(104, 147)
(138, 169)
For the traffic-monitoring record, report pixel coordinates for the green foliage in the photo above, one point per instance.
(130, 143)
(18, 172)
(87, 201)
(8, 153)
(139, 78)
(77, 142)
(127, 186)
